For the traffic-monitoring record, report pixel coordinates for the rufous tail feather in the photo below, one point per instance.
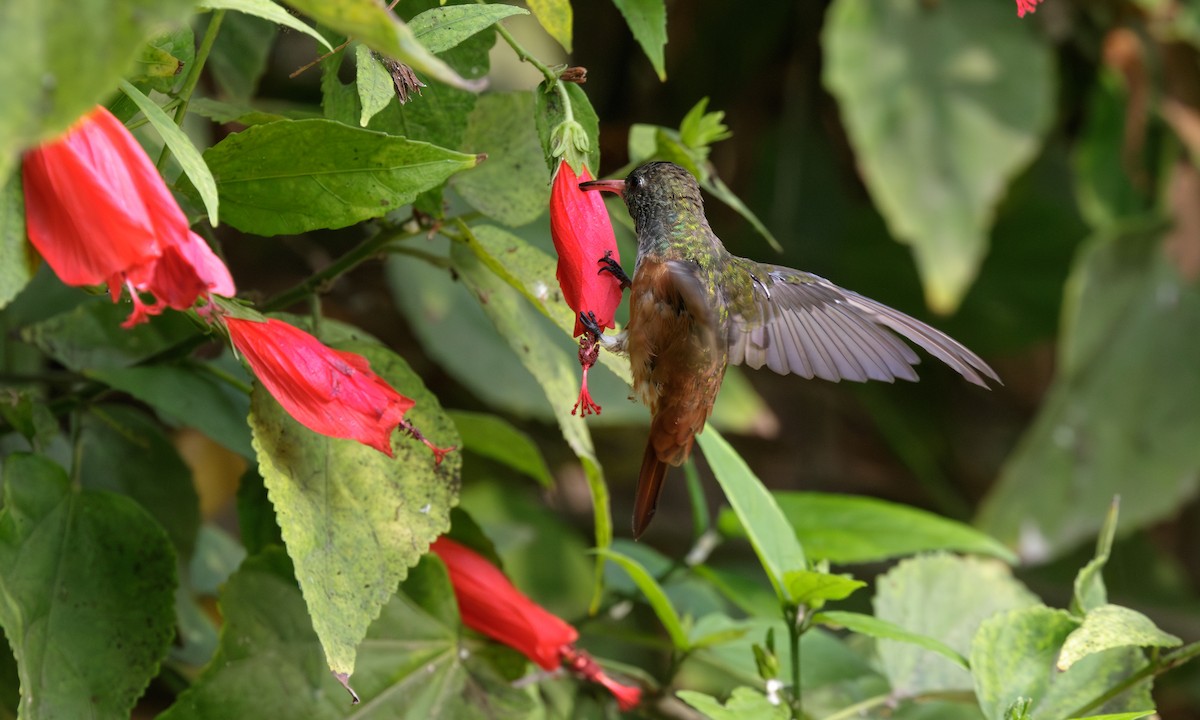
(650, 484)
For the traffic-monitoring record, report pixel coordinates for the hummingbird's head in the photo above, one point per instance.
(654, 190)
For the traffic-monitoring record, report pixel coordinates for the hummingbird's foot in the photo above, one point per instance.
(591, 323)
(608, 265)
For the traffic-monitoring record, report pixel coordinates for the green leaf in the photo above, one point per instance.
(1091, 678)
(743, 703)
(181, 146)
(773, 539)
(813, 588)
(239, 56)
(1137, 715)
(412, 665)
(53, 86)
(442, 28)
(941, 118)
(1118, 419)
(512, 187)
(655, 596)
(17, 259)
(353, 519)
(647, 20)
(555, 369)
(753, 598)
(374, 83)
(189, 395)
(123, 451)
(343, 176)
(1012, 656)
(944, 597)
(439, 117)
(855, 529)
(551, 112)
(267, 10)
(494, 437)
(90, 336)
(555, 17)
(87, 581)
(883, 629)
(1106, 164)
(1090, 592)
(371, 22)
(1111, 626)
(29, 416)
(162, 60)
(246, 114)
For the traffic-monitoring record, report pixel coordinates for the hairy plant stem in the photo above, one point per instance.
(522, 53)
(193, 77)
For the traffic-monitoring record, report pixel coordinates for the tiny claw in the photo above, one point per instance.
(608, 265)
(591, 323)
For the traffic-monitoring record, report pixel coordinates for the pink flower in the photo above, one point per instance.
(328, 391)
(98, 212)
(583, 235)
(1026, 6)
(489, 604)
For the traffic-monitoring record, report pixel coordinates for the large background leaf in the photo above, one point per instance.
(1109, 425)
(939, 120)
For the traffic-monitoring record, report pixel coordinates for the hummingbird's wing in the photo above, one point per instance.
(797, 322)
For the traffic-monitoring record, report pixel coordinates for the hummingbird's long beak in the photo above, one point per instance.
(612, 186)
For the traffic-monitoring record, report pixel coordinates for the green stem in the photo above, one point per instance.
(366, 250)
(522, 53)
(1162, 664)
(856, 710)
(193, 77)
(792, 617)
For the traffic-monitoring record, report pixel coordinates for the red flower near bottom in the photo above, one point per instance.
(489, 604)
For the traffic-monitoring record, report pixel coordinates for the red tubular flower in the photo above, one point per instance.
(583, 234)
(489, 604)
(1026, 6)
(98, 211)
(328, 391)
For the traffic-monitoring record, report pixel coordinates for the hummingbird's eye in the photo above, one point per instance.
(637, 182)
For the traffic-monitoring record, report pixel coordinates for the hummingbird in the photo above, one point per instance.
(695, 309)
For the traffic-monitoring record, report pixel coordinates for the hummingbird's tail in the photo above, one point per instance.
(650, 484)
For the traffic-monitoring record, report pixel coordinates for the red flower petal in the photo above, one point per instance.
(628, 696)
(583, 234)
(94, 204)
(489, 604)
(98, 211)
(328, 391)
(1026, 6)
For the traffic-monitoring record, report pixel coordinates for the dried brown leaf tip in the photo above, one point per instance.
(577, 75)
(403, 78)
